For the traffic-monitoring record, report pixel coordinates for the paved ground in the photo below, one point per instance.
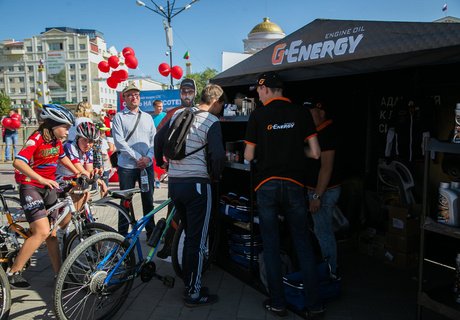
(371, 290)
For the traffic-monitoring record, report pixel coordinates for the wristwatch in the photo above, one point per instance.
(316, 196)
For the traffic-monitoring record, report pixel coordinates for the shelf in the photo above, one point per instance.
(238, 166)
(234, 118)
(440, 301)
(442, 146)
(440, 228)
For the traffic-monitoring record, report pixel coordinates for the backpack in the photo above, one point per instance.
(174, 147)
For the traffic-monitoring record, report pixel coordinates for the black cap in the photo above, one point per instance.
(269, 79)
(188, 83)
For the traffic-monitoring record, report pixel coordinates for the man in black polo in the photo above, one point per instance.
(279, 136)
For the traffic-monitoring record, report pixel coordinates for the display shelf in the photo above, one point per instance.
(440, 300)
(234, 118)
(443, 146)
(440, 228)
(238, 166)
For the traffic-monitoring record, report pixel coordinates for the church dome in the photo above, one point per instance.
(267, 27)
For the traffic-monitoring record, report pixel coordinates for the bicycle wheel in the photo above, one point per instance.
(177, 247)
(113, 215)
(72, 240)
(5, 296)
(80, 293)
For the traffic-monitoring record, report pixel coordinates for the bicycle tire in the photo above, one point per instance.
(72, 240)
(5, 296)
(87, 298)
(212, 242)
(106, 213)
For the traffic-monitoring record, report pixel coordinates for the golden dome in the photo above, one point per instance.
(267, 26)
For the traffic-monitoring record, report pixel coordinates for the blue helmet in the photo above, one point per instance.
(57, 113)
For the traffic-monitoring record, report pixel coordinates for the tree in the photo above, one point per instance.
(5, 103)
(201, 80)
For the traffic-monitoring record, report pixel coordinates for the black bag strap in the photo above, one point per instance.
(135, 126)
(203, 146)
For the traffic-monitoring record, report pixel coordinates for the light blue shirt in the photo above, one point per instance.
(140, 144)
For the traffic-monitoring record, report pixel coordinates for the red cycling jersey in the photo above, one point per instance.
(42, 157)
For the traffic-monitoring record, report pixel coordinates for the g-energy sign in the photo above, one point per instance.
(335, 44)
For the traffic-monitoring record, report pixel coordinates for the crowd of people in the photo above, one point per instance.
(293, 149)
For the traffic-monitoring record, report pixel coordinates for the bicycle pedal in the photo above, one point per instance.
(169, 281)
(148, 271)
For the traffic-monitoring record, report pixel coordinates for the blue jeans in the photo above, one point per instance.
(128, 178)
(323, 225)
(11, 139)
(281, 197)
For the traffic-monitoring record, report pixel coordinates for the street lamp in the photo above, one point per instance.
(169, 13)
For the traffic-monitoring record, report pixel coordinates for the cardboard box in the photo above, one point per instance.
(402, 243)
(401, 259)
(401, 222)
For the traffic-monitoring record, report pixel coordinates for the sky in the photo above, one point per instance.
(205, 30)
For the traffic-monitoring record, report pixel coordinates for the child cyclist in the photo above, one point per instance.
(35, 172)
(80, 153)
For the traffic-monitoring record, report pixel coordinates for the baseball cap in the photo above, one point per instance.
(188, 83)
(111, 112)
(269, 79)
(129, 87)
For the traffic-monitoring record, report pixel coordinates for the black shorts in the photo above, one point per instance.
(35, 201)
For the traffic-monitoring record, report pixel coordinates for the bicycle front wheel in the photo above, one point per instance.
(113, 215)
(5, 296)
(80, 292)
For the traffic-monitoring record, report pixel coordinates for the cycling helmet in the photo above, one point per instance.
(57, 113)
(88, 130)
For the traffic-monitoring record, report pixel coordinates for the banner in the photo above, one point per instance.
(170, 98)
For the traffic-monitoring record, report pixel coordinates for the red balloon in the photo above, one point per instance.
(177, 72)
(114, 62)
(131, 61)
(16, 116)
(15, 124)
(112, 82)
(121, 75)
(7, 122)
(127, 51)
(103, 66)
(164, 69)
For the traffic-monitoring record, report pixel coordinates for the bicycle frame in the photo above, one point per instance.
(133, 238)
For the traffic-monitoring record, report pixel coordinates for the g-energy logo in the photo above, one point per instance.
(296, 51)
(276, 126)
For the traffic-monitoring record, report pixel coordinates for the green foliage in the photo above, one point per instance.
(60, 79)
(201, 80)
(5, 103)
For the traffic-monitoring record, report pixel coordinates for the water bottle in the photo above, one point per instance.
(448, 205)
(144, 181)
(456, 138)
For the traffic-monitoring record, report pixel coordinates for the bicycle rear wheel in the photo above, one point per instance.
(80, 292)
(15, 208)
(177, 247)
(5, 296)
(113, 215)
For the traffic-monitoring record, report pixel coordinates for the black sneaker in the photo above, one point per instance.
(164, 252)
(280, 312)
(204, 291)
(313, 313)
(203, 300)
(17, 281)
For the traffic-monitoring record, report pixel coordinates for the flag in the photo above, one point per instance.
(186, 55)
(444, 7)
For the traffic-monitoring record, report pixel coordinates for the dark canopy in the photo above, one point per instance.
(329, 48)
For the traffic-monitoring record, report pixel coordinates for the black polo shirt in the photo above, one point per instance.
(327, 138)
(279, 130)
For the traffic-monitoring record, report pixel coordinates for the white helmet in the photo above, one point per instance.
(57, 113)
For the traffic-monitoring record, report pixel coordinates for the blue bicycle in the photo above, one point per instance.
(97, 276)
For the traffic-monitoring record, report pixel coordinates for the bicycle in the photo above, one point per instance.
(5, 296)
(11, 232)
(96, 278)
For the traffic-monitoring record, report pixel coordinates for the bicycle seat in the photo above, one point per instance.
(6, 187)
(124, 194)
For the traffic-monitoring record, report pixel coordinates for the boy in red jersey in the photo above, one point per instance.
(35, 168)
